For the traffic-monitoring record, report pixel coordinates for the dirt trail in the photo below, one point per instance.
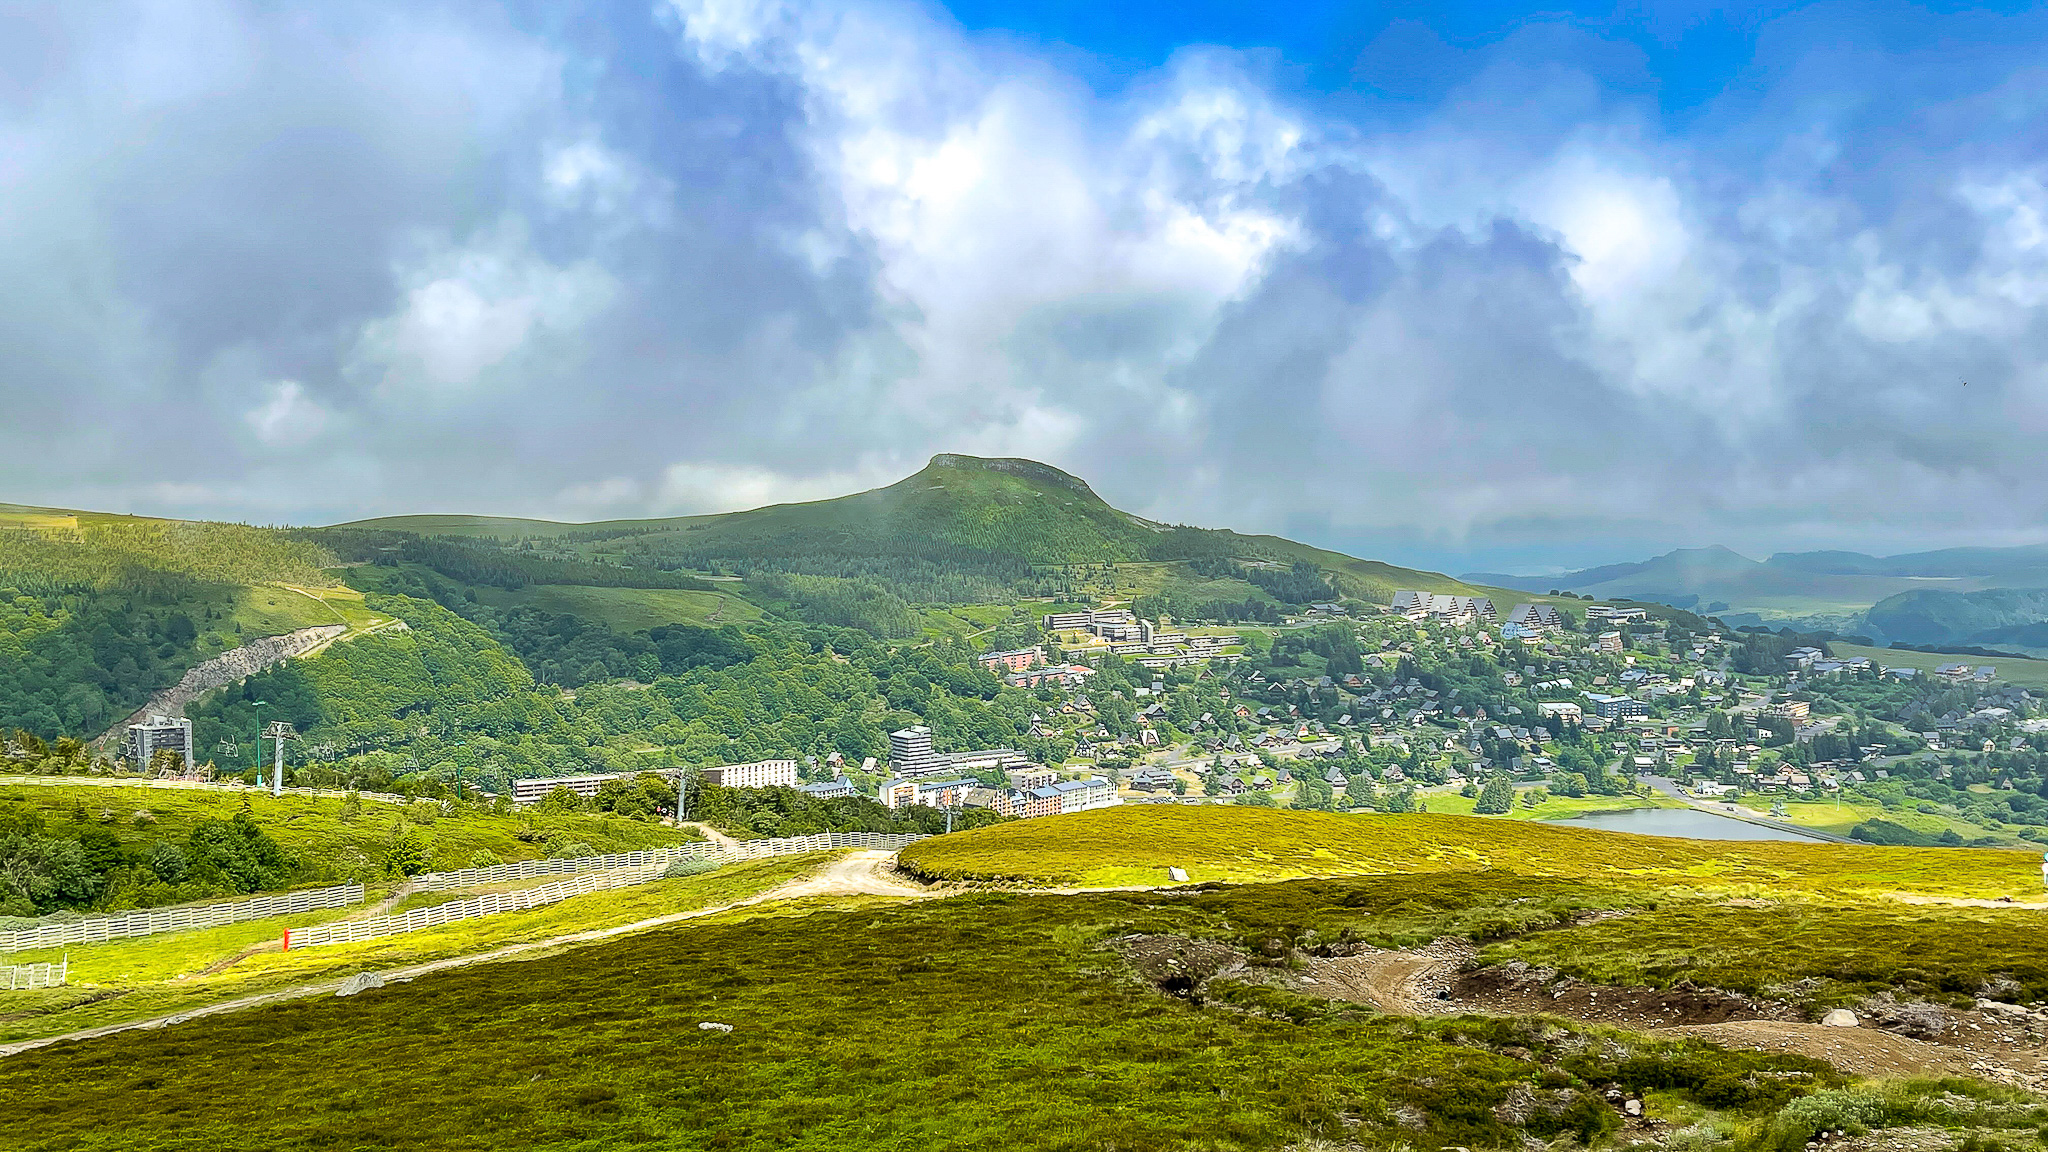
(1859, 1051)
(856, 874)
(718, 839)
(1405, 983)
(861, 873)
(1431, 981)
(1967, 902)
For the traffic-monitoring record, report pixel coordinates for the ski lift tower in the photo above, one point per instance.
(278, 731)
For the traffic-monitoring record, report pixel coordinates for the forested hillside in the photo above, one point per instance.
(444, 698)
(96, 616)
(97, 612)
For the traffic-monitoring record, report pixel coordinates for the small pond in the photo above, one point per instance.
(1688, 823)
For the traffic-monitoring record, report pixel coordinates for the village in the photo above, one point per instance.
(1422, 703)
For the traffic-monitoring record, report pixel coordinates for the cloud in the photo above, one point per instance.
(468, 310)
(731, 252)
(290, 418)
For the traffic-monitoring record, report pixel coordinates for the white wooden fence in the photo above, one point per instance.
(528, 869)
(150, 921)
(594, 874)
(351, 931)
(22, 977)
(745, 850)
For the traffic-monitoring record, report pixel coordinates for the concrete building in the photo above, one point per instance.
(1609, 643)
(759, 774)
(535, 789)
(160, 734)
(947, 793)
(1615, 707)
(829, 789)
(1081, 795)
(910, 750)
(1536, 619)
(1085, 621)
(1016, 660)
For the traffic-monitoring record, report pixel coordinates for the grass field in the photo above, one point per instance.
(1015, 1020)
(156, 975)
(314, 827)
(1840, 816)
(994, 1021)
(2025, 673)
(629, 609)
(1929, 952)
(1136, 845)
(1554, 807)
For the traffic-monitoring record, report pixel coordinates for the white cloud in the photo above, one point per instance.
(468, 309)
(838, 237)
(692, 488)
(289, 418)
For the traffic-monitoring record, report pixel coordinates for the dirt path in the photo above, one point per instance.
(1404, 983)
(861, 873)
(718, 839)
(1432, 981)
(1966, 902)
(856, 874)
(1859, 1051)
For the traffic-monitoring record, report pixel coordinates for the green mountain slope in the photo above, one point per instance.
(997, 518)
(98, 611)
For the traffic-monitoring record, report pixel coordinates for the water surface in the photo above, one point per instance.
(1687, 823)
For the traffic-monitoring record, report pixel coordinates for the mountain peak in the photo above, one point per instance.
(1030, 470)
(1711, 553)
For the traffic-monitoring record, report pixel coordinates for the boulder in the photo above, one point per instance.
(710, 1027)
(1632, 1107)
(360, 982)
(1840, 1018)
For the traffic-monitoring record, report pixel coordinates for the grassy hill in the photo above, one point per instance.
(993, 522)
(1059, 1021)
(1137, 844)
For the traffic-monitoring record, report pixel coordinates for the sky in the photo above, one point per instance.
(1473, 287)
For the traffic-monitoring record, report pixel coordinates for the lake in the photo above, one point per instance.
(1688, 823)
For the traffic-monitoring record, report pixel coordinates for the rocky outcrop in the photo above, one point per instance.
(227, 668)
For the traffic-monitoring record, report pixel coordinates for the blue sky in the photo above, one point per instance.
(1471, 286)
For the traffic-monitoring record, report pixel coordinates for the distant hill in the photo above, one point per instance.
(2010, 617)
(1826, 589)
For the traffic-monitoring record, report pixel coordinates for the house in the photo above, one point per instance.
(1608, 643)
(1153, 780)
(829, 789)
